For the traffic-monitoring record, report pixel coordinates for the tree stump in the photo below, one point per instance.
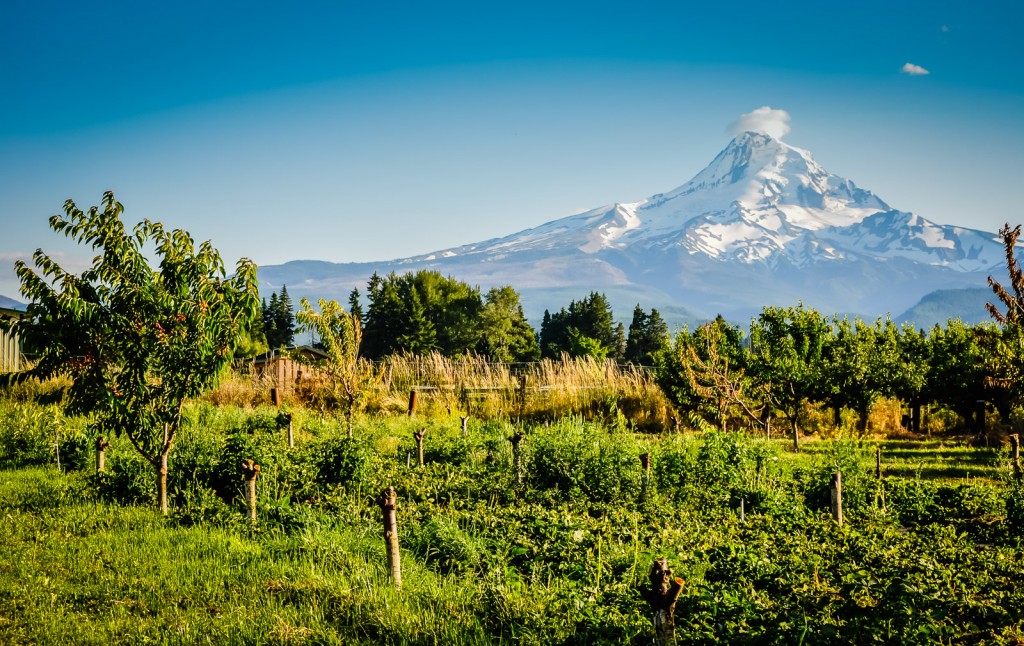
(662, 597)
(645, 481)
(291, 435)
(517, 455)
(465, 425)
(250, 470)
(275, 397)
(419, 442)
(387, 503)
(837, 497)
(101, 453)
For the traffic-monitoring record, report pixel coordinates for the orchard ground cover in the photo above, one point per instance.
(929, 554)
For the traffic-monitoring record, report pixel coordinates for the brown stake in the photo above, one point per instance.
(645, 464)
(291, 434)
(465, 425)
(662, 597)
(837, 497)
(419, 442)
(250, 470)
(517, 455)
(412, 402)
(878, 462)
(101, 453)
(387, 502)
(275, 397)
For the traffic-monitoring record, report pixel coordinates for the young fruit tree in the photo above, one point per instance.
(349, 376)
(137, 341)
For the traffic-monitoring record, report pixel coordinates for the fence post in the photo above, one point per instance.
(517, 455)
(291, 435)
(522, 394)
(837, 497)
(465, 425)
(662, 597)
(387, 502)
(413, 395)
(101, 453)
(878, 462)
(645, 478)
(250, 470)
(419, 442)
(1015, 445)
(275, 397)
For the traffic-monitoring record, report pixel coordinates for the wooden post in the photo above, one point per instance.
(101, 453)
(743, 509)
(662, 597)
(645, 481)
(275, 397)
(517, 455)
(412, 402)
(387, 502)
(1015, 448)
(465, 425)
(878, 462)
(291, 435)
(419, 442)
(250, 470)
(837, 497)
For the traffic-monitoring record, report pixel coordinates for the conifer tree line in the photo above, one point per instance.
(423, 312)
(278, 320)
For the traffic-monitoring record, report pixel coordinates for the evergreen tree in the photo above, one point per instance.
(285, 319)
(270, 330)
(354, 307)
(620, 343)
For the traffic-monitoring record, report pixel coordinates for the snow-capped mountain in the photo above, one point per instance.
(763, 224)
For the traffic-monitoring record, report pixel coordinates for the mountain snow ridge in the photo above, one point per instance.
(759, 201)
(762, 224)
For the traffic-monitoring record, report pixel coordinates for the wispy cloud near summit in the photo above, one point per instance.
(765, 119)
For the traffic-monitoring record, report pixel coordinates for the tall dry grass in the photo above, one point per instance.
(472, 385)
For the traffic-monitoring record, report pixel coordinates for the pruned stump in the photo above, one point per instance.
(662, 597)
(465, 425)
(517, 455)
(249, 471)
(275, 397)
(387, 502)
(418, 436)
(101, 453)
(836, 495)
(878, 462)
(291, 434)
(645, 482)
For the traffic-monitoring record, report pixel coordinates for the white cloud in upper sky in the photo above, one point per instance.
(914, 70)
(765, 119)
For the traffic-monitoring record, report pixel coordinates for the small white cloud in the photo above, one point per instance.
(914, 70)
(945, 29)
(765, 119)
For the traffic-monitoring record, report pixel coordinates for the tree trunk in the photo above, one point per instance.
(862, 420)
(249, 471)
(796, 433)
(101, 453)
(419, 442)
(413, 396)
(517, 455)
(837, 416)
(645, 482)
(387, 503)
(161, 484)
(915, 416)
(662, 597)
(465, 425)
(1015, 453)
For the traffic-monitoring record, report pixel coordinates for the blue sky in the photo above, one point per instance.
(367, 131)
